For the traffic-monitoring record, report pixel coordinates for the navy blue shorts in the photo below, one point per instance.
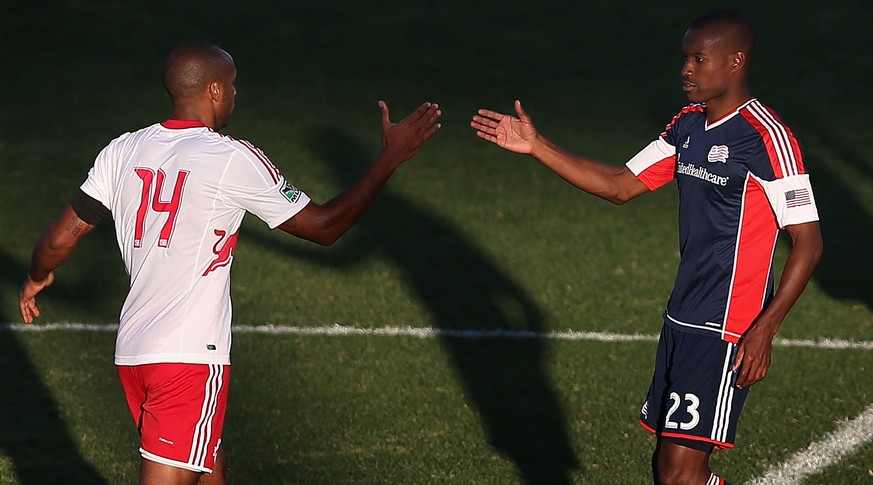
(693, 395)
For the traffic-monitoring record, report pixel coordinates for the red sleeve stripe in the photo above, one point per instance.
(688, 109)
(782, 146)
(262, 157)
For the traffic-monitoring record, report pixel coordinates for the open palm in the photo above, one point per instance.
(516, 134)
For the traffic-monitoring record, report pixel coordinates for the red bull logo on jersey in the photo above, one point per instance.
(223, 250)
(718, 153)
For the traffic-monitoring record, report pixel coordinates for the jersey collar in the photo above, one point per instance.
(182, 124)
(708, 126)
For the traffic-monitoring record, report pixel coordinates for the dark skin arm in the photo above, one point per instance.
(618, 185)
(324, 224)
(518, 134)
(755, 348)
(53, 248)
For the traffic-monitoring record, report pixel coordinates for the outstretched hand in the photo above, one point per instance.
(516, 134)
(402, 140)
(27, 297)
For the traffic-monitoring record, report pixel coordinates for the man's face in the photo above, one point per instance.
(708, 66)
(225, 103)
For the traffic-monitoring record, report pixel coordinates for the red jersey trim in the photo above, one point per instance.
(265, 161)
(691, 108)
(182, 124)
(719, 445)
(756, 243)
(783, 150)
(659, 173)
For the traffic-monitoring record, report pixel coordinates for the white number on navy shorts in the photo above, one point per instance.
(691, 408)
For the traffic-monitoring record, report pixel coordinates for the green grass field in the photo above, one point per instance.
(465, 236)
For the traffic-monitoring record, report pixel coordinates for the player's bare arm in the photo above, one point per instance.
(518, 134)
(324, 224)
(53, 248)
(754, 351)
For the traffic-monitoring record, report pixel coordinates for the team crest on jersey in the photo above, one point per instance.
(718, 153)
(290, 192)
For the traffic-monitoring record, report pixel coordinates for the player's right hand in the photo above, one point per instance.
(516, 134)
(27, 296)
(400, 141)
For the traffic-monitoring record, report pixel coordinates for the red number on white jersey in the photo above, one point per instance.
(171, 207)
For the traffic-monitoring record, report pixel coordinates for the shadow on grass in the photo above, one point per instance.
(844, 270)
(506, 380)
(33, 434)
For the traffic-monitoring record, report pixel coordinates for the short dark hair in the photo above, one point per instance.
(731, 26)
(191, 67)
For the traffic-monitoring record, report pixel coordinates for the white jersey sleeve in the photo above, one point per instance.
(254, 184)
(791, 199)
(100, 182)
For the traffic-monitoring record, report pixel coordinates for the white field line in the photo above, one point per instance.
(429, 332)
(848, 436)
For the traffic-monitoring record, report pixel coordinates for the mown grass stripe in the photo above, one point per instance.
(429, 332)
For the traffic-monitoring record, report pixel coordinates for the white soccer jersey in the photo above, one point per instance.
(178, 192)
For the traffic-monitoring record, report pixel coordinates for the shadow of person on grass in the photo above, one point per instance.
(33, 434)
(846, 224)
(505, 379)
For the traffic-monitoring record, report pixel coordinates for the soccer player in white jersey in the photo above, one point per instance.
(177, 192)
(741, 178)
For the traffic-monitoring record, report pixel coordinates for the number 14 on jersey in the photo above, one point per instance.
(152, 200)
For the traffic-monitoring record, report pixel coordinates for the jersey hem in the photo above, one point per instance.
(172, 359)
(701, 329)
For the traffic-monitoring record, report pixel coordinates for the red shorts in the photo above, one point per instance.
(179, 411)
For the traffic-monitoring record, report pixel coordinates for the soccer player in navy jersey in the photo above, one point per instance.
(741, 178)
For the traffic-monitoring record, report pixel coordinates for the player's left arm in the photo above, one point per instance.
(51, 250)
(754, 350)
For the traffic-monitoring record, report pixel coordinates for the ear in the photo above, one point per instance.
(215, 90)
(738, 60)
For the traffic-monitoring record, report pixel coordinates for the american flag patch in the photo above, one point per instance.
(797, 198)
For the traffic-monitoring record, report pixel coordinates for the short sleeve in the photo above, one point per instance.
(780, 168)
(99, 183)
(791, 199)
(654, 165)
(254, 184)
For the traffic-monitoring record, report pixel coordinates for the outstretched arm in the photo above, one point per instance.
(324, 224)
(518, 134)
(754, 351)
(51, 250)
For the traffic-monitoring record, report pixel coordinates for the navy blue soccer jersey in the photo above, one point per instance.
(741, 179)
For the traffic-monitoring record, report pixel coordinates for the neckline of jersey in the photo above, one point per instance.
(707, 126)
(182, 124)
